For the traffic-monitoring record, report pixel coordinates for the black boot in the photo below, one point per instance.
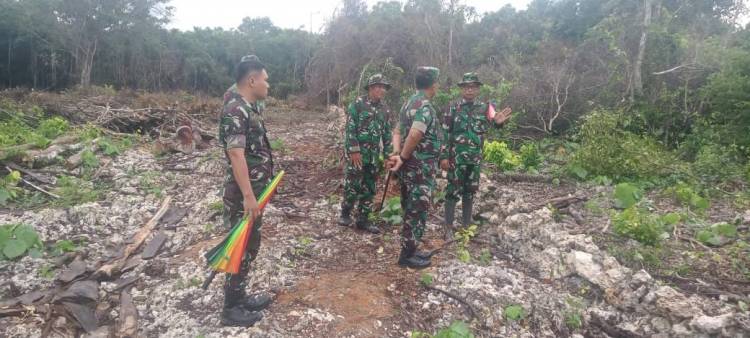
(408, 259)
(255, 302)
(346, 216)
(468, 203)
(234, 312)
(426, 255)
(364, 224)
(450, 210)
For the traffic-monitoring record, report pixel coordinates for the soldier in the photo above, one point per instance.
(416, 159)
(464, 126)
(242, 134)
(367, 125)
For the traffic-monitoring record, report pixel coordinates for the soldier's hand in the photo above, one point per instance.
(357, 160)
(503, 116)
(445, 165)
(396, 163)
(250, 205)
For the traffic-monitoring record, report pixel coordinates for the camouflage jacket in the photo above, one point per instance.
(419, 113)
(464, 126)
(367, 124)
(241, 126)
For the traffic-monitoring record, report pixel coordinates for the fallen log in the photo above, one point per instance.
(35, 176)
(107, 270)
(45, 157)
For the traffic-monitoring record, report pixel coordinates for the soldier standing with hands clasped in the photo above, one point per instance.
(367, 125)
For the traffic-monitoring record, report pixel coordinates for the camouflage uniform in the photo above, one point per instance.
(418, 172)
(367, 125)
(464, 126)
(241, 126)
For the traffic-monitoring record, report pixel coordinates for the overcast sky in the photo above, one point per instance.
(283, 13)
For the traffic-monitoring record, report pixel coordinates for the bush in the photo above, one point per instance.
(531, 158)
(9, 187)
(391, 212)
(643, 226)
(18, 239)
(686, 196)
(54, 127)
(607, 150)
(715, 163)
(500, 155)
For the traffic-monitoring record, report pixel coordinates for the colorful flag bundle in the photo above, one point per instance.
(227, 256)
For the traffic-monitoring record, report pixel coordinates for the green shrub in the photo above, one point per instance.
(643, 226)
(9, 187)
(717, 234)
(457, 329)
(608, 150)
(531, 158)
(715, 163)
(626, 195)
(17, 240)
(514, 312)
(686, 196)
(500, 155)
(74, 191)
(54, 127)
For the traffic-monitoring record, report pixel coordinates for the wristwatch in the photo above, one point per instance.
(402, 158)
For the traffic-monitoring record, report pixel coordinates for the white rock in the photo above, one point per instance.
(709, 324)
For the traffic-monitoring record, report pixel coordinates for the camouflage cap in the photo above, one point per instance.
(470, 78)
(430, 73)
(377, 79)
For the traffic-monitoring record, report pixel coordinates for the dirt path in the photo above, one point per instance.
(331, 281)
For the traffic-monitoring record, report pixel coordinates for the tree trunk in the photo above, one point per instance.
(637, 88)
(88, 63)
(10, 54)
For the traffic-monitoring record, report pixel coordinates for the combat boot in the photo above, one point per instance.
(364, 224)
(255, 302)
(409, 259)
(468, 204)
(450, 210)
(346, 216)
(234, 313)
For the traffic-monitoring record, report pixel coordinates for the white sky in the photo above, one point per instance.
(284, 13)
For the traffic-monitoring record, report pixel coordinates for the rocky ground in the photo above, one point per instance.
(330, 281)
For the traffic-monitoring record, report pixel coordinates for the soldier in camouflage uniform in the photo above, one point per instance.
(464, 126)
(416, 163)
(367, 126)
(242, 134)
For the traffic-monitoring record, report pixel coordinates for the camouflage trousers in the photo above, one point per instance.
(463, 181)
(233, 213)
(359, 186)
(417, 184)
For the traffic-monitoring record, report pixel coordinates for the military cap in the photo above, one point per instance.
(378, 79)
(470, 78)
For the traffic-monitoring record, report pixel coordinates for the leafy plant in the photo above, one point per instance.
(391, 212)
(485, 258)
(52, 128)
(9, 187)
(641, 225)
(608, 149)
(463, 237)
(278, 145)
(17, 240)
(717, 234)
(74, 191)
(62, 246)
(514, 312)
(573, 317)
(500, 155)
(531, 158)
(626, 195)
(686, 196)
(426, 279)
(457, 329)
